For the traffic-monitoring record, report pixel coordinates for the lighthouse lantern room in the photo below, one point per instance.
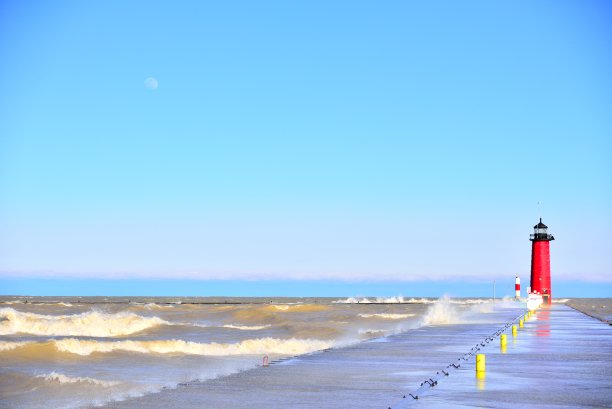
(540, 262)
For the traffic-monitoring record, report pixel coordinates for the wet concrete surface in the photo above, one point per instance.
(560, 359)
(600, 308)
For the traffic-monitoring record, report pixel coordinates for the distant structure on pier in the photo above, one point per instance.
(517, 288)
(540, 262)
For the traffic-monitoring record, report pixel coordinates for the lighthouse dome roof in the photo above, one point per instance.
(540, 225)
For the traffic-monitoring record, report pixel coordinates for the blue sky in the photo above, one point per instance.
(352, 142)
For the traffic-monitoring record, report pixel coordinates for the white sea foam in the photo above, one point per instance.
(64, 379)
(390, 300)
(387, 316)
(442, 312)
(258, 346)
(382, 300)
(9, 345)
(153, 306)
(296, 307)
(371, 332)
(246, 327)
(560, 300)
(353, 300)
(231, 326)
(421, 301)
(92, 323)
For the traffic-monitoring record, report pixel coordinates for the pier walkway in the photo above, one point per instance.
(560, 359)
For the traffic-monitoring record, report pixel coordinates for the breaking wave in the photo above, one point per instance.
(64, 379)
(421, 301)
(381, 300)
(9, 345)
(395, 300)
(298, 308)
(353, 300)
(259, 346)
(373, 332)
(154, 306)
(442, 312)
(387, 316)
(247, 327)
(13, 302)
(91, 324)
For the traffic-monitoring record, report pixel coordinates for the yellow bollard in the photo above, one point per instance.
(480, 380)
(503, 340)
(514, 331)
(521, 323)
(480, 363)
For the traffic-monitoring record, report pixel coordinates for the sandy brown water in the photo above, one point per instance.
(72, 352)
(69, 352)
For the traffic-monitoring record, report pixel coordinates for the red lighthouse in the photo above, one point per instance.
(540, 262)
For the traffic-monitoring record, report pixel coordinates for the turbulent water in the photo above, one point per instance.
(70, 353)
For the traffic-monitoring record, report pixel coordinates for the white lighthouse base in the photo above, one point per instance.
(534, 301)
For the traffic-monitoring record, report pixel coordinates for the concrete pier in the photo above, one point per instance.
(561, 358)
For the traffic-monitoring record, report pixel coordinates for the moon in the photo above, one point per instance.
(151, 83)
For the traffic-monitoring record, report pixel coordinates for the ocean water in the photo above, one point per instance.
(75, 352)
